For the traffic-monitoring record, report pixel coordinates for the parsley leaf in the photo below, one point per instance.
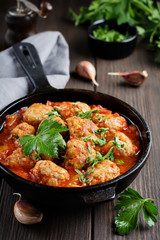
(127, 219)
(86, 114)
(48, 139)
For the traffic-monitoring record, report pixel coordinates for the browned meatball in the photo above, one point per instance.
(35, 113)
(128, 148)
(79, 127)
(23, 129)
(77, 153)
(103, 172)
(112, 121)
(48, 173)
(69, 109)
(19, 159)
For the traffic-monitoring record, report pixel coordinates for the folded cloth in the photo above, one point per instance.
(54, 54)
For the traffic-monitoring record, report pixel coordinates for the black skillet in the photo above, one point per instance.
(28, 58)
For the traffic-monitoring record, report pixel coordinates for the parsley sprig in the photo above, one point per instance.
(48, 139)
(132, 203)
(86, 114)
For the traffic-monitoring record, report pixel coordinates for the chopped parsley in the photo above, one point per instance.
(91, 161)
(101, 117)
(87, 138)
(82, 177)
(100, 130)
(100, 141)
(119, 162)
(117, 143)
(109, 35)
(89, 149)
(110, 155)
(86, 114)
(53, 113)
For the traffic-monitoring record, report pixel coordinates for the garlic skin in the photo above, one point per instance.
(86, 69)
(26, 213)
(133, 78)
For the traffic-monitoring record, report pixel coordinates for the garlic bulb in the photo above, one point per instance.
(26, 213)
(86, 69)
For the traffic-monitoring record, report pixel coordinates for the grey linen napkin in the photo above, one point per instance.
(54, 54)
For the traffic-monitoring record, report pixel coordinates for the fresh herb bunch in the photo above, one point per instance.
(109, 35)
(48, 139)
(144, 14)
(132, 202)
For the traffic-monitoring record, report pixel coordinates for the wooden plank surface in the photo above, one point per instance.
(93, 223)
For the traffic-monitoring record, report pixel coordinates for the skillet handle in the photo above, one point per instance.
(29, 60)
(99, 196)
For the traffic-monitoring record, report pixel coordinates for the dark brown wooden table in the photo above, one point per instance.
(93, 223)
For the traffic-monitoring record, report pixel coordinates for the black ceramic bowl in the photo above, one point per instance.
(112, 50)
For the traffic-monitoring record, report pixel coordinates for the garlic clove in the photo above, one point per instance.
(26, 213)
(134, 78)
(86, 69)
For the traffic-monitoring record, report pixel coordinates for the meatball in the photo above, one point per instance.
(103, 172)
(112, 121)
(128, 148)
(77, 153)
(56, 118)
(69, 109)
(79, 127)
(23, 129)
(48, 173)
(19, 159)
(35, 113)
